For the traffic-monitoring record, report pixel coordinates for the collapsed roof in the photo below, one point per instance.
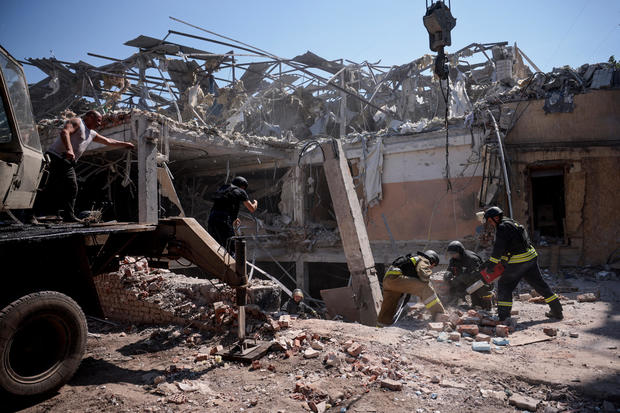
(305, 96)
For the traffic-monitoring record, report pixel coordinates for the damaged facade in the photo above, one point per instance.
(424, 153)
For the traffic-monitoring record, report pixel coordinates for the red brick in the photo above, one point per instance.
(391, 384)
(470, 329)
(201, 357)
(501, 330)
(436, 326)
(482, 337)
(255, 365)
(489, 322)
(550, 331)
(486, 330)
(355, 349)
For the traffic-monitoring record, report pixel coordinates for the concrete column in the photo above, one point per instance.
(366, 289)
(147, 171)
(302, 276)
(299, 196)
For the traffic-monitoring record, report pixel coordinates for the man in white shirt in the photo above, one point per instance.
(73, 141)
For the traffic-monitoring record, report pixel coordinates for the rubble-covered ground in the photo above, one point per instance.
(320, 365)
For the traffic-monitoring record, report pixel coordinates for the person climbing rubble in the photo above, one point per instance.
(223, 217)
(75, 136)
(463, 271)
(296, 306)
(409, 275)
(514, 252)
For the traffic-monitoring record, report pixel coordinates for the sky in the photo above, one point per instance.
(552, 33)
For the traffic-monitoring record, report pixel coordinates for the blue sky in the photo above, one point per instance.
(551, 32)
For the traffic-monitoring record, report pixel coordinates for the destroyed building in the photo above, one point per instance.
(426, 155)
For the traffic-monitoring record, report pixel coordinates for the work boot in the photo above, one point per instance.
(556, 310)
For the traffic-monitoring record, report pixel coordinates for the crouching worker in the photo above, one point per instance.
(409, 275)
(296, 306)
(463, 271)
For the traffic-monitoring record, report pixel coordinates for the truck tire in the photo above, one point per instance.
(42, 342)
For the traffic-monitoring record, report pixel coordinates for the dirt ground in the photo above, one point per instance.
(168, 369)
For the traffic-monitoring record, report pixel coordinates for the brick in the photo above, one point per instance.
(455, 336)
(201, 357)
(473, 313)
(311, 354)
(316, 345)
(470, 329)
(284, 321)
(514, 312)
(255, 365)
(436, 326)
(489, 322)
(355, 349)
(216, 349)
(391, 384)
(501, 330)
(482, 337)
(470, 320)
(489, 331)
(573, 334)
(587, 297)
(550, 331)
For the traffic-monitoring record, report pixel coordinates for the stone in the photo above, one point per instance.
(435, 379)
(573, 334)
(482, 346)
(550, 331)
(482, 337)
(332, 360)
(317, 407)
(391, 384)
(436, 326)
(443, 337)
(355, 349)
(500, 341)
(454, 336)
(159, 379)
(470, 329)
(316, 345)
(587, 297)
(442, 318)
(311, 353)
(523, 402)
(502, 330)
(488, 330)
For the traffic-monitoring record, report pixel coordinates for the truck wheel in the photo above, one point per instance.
(42, 342)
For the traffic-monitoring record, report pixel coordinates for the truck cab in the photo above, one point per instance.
(21, 158)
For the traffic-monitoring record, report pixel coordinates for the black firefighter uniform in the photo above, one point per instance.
(408, 279)
(513, 247)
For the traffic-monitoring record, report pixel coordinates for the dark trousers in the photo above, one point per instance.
(61, 190)
(221, 229)
(530, 272)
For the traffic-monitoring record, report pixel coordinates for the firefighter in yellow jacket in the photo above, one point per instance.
(409, 275)
(513, 247)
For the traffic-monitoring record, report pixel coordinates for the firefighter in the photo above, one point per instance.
(223, 217)
(296, 306)
(513, 247)
(463, 271)
(409, 275)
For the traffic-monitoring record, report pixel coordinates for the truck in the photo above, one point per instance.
(47, 270)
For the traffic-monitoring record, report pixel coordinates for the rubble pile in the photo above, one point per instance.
(136, 293)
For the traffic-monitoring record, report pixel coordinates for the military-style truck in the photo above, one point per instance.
(47, 270)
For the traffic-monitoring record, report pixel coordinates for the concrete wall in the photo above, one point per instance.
(586, 143)
(416, 203)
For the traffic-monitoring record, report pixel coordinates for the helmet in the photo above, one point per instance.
(297, 292)
(431, 255)
(456, 246)
(493, 212)
(240, 181)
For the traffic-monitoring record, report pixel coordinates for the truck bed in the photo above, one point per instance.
(30, 233)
